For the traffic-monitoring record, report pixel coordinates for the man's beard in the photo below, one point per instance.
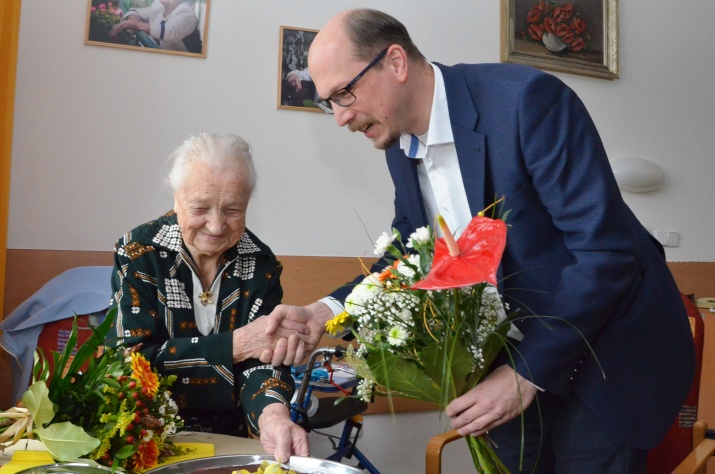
(362, 125)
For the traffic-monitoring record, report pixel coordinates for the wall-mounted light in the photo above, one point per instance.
(637, 175)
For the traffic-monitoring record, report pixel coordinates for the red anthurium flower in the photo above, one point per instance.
(480, 249)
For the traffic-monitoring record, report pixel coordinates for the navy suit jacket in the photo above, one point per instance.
(576, 256)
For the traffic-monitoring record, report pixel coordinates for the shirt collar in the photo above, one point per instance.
(439, 131)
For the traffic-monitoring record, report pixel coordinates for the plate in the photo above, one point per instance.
(68, 467)
(304, 465)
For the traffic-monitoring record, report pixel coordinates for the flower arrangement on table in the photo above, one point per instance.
(111, 408)
(558, 26)
(429, 326)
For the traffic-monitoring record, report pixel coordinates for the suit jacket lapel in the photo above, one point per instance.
(470, 144)
(406, 168)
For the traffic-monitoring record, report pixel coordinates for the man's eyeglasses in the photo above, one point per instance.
(344, 97)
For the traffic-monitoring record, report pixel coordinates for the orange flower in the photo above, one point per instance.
(142, 373)
(147, 455)
(386, 273)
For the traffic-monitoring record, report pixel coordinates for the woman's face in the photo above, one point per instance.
(211, 209)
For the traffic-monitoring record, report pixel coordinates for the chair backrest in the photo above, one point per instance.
(678, 442)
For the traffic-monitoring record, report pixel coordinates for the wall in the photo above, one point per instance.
(93, 126)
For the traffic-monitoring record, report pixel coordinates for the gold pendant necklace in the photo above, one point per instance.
(205, 297)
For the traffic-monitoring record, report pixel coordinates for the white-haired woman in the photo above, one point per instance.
(190, 288)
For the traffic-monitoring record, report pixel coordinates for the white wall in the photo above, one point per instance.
(93, 126)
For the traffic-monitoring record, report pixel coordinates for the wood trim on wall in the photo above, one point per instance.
(304, 280)
(9, 32)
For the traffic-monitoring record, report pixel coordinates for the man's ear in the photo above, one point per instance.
(397, 62)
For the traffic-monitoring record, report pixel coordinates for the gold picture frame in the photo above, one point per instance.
(562, 36)
(103, 18)
(296, 90)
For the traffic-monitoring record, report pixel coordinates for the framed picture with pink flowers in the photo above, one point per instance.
(563, 36)
(160, 26)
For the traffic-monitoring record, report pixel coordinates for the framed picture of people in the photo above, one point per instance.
(160, 26)
(295, 86)
(558, 35)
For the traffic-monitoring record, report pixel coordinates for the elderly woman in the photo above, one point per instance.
(172, 24)
(190, 288)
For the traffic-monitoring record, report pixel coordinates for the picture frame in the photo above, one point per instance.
(296, 90)
(143, 25)
(562, 36)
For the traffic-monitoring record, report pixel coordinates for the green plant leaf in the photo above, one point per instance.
(67, 441)
(126, 451)
(89, 348)
(37, 400)
(403, 377)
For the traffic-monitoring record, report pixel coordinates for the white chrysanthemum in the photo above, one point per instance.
(419, 236)
(407, 271)
(397, 336)
(149, 435)
(364, 292)
(383, 242)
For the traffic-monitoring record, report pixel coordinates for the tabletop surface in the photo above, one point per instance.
(223, 444)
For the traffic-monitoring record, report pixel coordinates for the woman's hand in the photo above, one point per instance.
(295, 318)
(133, 22)
(279, 435)
(253, 339)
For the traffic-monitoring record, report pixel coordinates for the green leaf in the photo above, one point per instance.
(403, 377)
(67, 441)
(89, 348)
(126, 451)
(37, 400)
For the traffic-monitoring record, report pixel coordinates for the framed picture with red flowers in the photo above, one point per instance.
(558, 35)
(159, 26)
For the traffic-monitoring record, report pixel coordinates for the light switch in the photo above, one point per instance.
(667, 238)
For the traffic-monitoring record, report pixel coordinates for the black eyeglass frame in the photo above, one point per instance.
(351, 84)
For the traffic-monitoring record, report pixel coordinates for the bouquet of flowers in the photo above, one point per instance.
(429, 326)
(111, 408)
(558, 26)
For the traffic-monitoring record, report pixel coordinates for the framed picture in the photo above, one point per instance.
(159, 26)
(295, 86)
(577, 38)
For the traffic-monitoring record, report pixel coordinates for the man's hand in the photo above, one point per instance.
(293, 318)
(253, 339)
(279, 435)
(501, 396)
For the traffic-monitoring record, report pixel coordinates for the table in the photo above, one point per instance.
(223, 444)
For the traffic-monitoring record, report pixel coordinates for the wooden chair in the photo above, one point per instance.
(435, 446)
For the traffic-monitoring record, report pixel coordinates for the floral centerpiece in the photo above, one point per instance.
(557, 26)
(429, 326)
(111, 408)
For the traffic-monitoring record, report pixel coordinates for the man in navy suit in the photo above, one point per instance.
(576, 256)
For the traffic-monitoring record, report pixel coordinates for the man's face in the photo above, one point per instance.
(373, 113)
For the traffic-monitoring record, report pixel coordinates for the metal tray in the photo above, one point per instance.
(68, 467)
(304, 465)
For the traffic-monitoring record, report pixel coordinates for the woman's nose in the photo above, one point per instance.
(215, 222)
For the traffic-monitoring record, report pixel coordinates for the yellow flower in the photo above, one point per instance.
(142, 373)
(338, 323)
